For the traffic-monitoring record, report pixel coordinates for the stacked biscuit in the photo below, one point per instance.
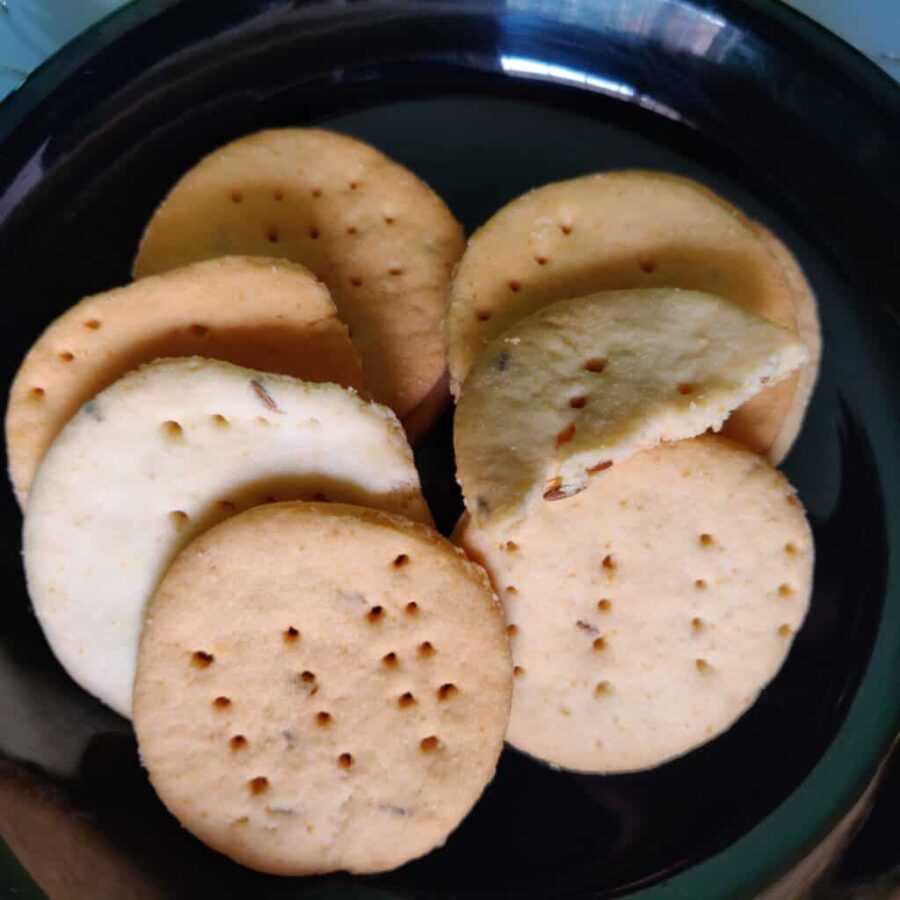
(225, 536)
(226, 539)
(652, 574)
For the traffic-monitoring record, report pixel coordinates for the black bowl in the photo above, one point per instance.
(484, 100)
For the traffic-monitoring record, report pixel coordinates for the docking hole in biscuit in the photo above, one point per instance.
(258, 785)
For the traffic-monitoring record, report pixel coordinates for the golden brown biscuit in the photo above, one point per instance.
(619, 231)
(377, 235)
(649, 611)
(321, 688)
(264, 314)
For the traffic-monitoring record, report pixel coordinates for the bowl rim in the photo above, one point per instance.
(782, 838)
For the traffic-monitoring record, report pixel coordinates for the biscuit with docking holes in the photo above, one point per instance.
(321, 688)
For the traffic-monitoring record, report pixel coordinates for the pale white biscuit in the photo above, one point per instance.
(322, 687)
(581, 384)
(377, 235)
(161, 455)
(649, 611)
(619, 231)
(264, 314)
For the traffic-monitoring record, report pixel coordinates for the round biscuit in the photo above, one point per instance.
(162, 454)
(620, 231)
(377, 235)
(264, 314)
(321, 688)
(649, 611)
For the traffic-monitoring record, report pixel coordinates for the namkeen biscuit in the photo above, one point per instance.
(161, 455)
(647, 613)
(377, 235)
(264, 314)
(615, 231)
(582, 384)
(306, 709)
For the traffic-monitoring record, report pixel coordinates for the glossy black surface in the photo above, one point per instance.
(483, 100)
